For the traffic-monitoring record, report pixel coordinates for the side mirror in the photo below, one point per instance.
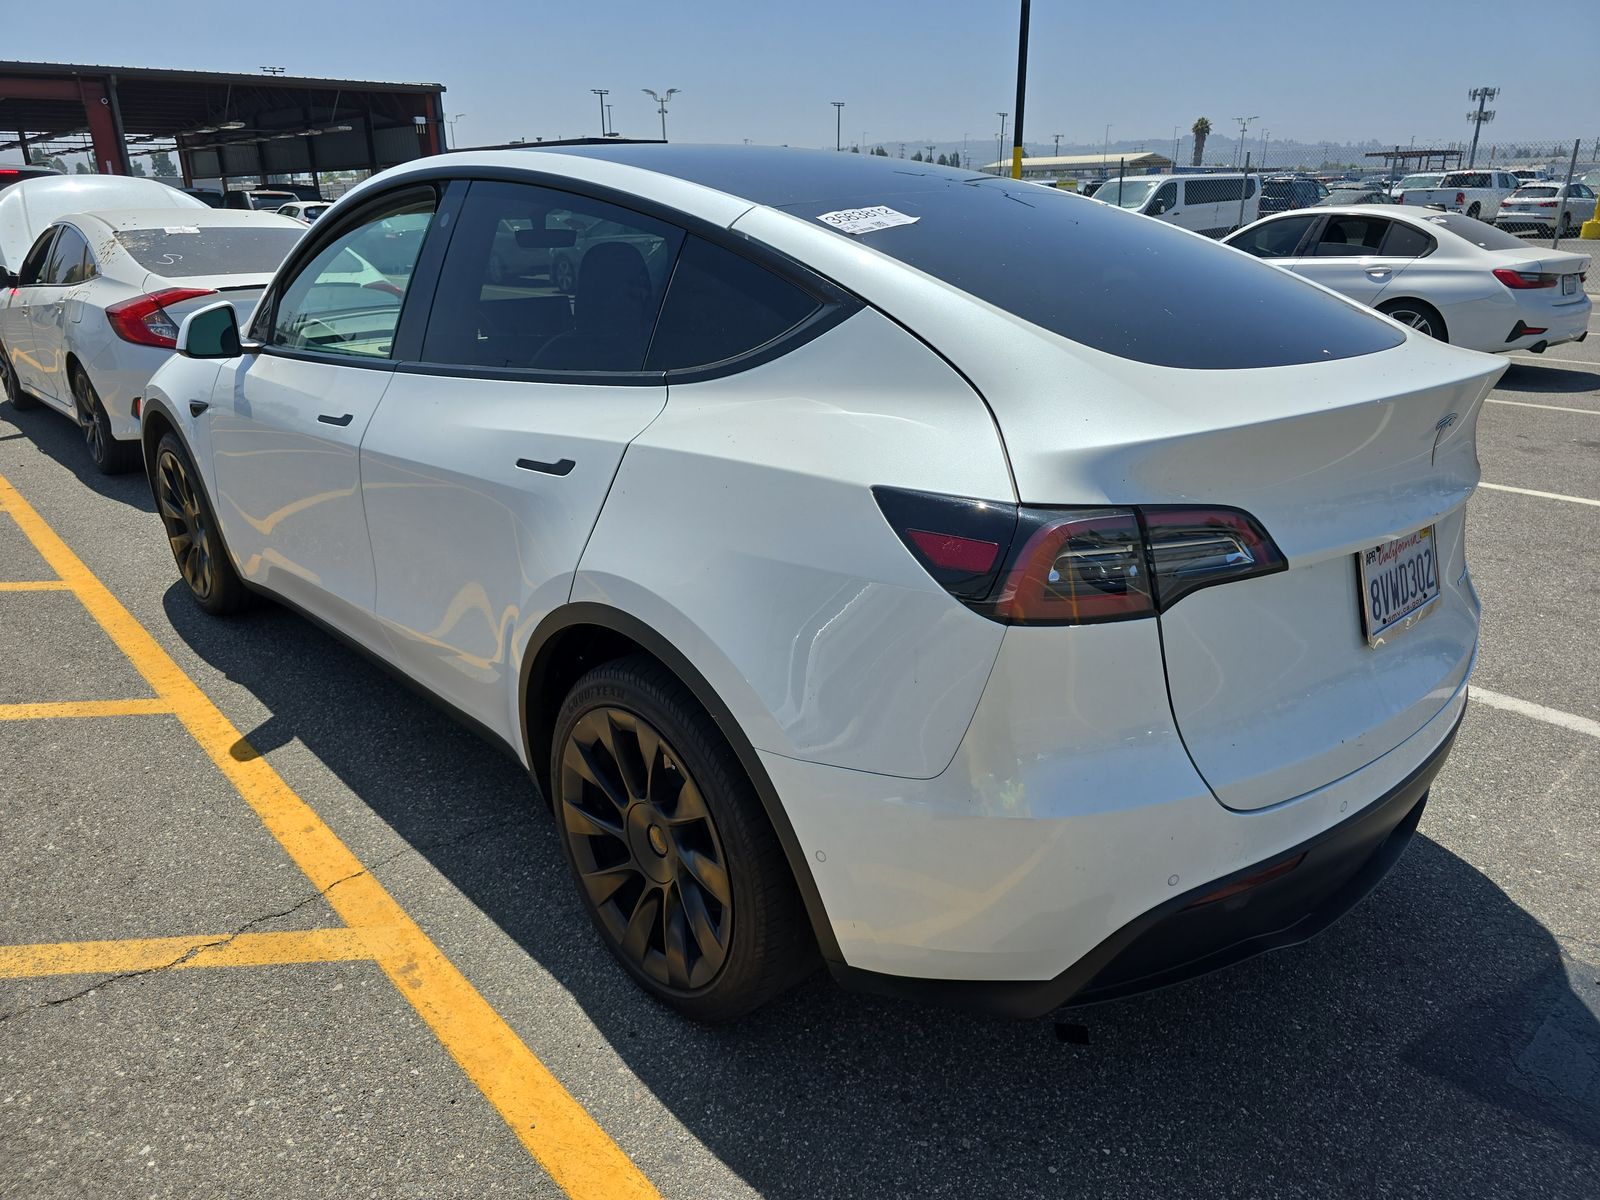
(210, 332)
(9, 279)
(1157, 207)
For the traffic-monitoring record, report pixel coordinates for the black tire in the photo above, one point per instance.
(1421, 317)
(632, 753)
(109, 456)
(11, 386)
(1473, 210)
(193, 533)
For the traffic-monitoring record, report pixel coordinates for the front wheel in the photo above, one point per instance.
(192, 532)
(1424, 318)
(11, 386)
(674, 858)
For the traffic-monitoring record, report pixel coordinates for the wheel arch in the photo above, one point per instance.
(572, 640)
(156, 421)
(1389, 302)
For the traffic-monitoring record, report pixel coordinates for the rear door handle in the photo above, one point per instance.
(562, 466)
(344, 420)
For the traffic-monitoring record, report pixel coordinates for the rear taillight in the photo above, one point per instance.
(145, 320)
(1544, 203)
(1050, 566)
(1461, 197)
(1523, 280)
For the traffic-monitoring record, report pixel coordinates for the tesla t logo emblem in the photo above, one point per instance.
(1443, 424)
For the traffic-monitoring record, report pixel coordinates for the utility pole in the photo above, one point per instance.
(662, 102)
(1482, 95)
(1244, 124)
(1022, 89)
(609, 125)
(1058, 137)
(602, 93)
(1105, 151)
(1000, 143)
(1266, 135)
(1175, 145)
(838, 125)
(930, 151)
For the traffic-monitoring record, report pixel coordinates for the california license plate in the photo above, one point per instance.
(1398, 580)
(1569, 285)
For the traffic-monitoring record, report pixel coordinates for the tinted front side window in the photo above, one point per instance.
(33, 266)
(1110, 280)
(721, 305)
(544, 280)
(1275, 239)
(342, 301)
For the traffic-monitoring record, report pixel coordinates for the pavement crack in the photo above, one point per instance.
(253, 922)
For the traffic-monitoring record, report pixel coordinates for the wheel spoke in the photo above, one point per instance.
(646, 915)
(585, 763)
(705, 933)
(675, 937)
(587, 824)
(689, 807)
(708, 873)
(625, 745)
(604, 883)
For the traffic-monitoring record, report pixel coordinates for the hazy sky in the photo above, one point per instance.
(937, 70)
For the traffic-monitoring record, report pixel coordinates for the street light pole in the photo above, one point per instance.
(452, 123)
(838, 125)
(612, 129)
(662, 102)
(1105, 151)
(1244, 125)
(1482, 95)
(602, 93)
(1000, 143)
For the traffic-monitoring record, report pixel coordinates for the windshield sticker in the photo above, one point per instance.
(866, 220)
(169, 229)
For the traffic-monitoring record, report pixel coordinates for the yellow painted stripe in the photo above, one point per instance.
(554, 1127)
(84, 708)
(182, 953)
(34, 585)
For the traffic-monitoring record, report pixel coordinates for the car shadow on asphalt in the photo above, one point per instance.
(1531, 377)
(1436, 1040)
(59, 438)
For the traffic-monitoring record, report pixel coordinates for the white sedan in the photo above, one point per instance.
(1452, 277)
(951, 574)
(94, 308)
(1540, 207)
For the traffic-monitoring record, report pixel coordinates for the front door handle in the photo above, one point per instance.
(344, 420)
(562, 466)
(196, 407)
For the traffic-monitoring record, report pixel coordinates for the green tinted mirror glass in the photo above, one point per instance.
(212, 333)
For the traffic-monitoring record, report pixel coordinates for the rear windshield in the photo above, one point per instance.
(185, 251)
(1114, 281)
(1535, 191)
(1482, 235)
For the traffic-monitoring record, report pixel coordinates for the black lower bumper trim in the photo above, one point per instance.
(1186, 936)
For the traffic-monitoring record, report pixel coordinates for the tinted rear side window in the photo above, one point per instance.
(1110, 280)
(184, 251)
(721, 305)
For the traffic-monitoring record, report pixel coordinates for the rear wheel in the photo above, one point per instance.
(11, 386)
(109, 455)
(1473, 210)
(673, 856)
(1567, 225)
(192, 532)
(1424, 318)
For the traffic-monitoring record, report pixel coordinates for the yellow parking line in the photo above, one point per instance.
(181, 953)
(553, 1126)
(34, 585)
(83, 708)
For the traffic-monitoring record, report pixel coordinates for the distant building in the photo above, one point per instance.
(1085, 166)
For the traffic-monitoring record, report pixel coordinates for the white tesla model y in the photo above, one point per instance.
(1008, 597)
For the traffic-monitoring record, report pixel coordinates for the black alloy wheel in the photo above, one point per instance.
(646, 850)
(188, 530)
(109, 456)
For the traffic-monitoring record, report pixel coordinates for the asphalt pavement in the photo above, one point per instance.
(1442, 1040)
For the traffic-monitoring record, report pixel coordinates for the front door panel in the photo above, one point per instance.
(285, 436)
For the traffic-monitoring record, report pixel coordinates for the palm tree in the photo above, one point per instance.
(1201, 130)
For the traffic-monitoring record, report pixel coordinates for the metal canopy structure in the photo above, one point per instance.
(1405, 161)
(223, 125)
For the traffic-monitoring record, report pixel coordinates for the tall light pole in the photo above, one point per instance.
(602, 93)
(1105, 152)
(1266, 135)
(1482, 95)
(930, 152)
(1058, 137)
(1175, 140)
(661, 101)
(452, 123)
(1244, 125)
(609, 125)
(1000, 143)
(838, 125)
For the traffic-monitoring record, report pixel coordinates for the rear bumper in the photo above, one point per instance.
(1191, 934)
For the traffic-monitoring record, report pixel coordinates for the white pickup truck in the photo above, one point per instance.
(1476, 193)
